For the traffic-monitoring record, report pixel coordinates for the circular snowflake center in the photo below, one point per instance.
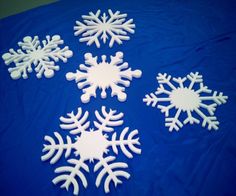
(91, 145)
(185, 99)
(37, 54)
(103, 75)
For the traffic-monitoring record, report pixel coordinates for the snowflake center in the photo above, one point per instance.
(91, 145)
(185, 99)
(37, 54)
(104, 26)
(103, 75)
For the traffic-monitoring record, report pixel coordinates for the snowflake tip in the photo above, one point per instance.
(15, 74)
(70, 76)
(27, 39)
(68, 54)
(137, 73)
(6, 56)
(56, 37)
(88, 55)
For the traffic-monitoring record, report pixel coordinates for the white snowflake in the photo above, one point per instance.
(96, 26)
(90, 145)
(184, 98)
(103, 75)
(42, 56)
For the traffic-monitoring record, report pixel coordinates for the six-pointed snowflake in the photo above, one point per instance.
(42, 56)
(91, 145)
(103, 26)
(103, 75)
(186, 99)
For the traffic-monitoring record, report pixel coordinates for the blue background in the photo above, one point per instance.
(175, 37)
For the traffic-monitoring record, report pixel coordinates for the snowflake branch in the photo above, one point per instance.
(165, 109)
(62, 54)
(154, 100)
(210, 120)
(218, 99)
(174, 123)
(45, 67)
(203, 89)
(76, 123)
(73, 172)
(194, 78)
(108, 169)
(210, 108)
(130, 141)
(180, 81)
(164, 79)
(190, 119)
(108, 120)
(51, 42)
(53, 147)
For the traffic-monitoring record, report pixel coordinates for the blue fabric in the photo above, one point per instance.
(174, 37)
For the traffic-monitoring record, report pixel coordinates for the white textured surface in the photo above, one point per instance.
(193, 98)
(96, 26)
(42, 55)
(91, 144)
(114, 75)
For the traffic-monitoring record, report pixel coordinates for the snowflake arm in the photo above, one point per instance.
(109, 170)
(210, 120)
(76, 123)
(53, 147)
(174, 123)
(101, 25)
(218, 99)
(165, 79)
(122, 142)
(41, 56)
(73, 172)
(194, 78)
(153, 100)
(107, 120)
(190, 119)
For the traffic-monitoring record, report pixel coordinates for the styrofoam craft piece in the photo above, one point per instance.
(103, 75)
(192, 99)
(42, 55)
(97, 26)
(91, 144)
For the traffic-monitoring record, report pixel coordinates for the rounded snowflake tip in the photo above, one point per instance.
(103, 75)
(97, 26)
(40, 55)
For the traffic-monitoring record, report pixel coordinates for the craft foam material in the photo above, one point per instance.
(91, 144)
(42, 55)
(187, 99)
(96, 26)
(114, 75)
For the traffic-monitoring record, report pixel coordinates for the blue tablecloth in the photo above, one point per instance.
(174, 37)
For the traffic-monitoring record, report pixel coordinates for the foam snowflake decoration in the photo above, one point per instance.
(184, 98)
(91, 145)
(103, 26)
(103, 75)
(41, 55)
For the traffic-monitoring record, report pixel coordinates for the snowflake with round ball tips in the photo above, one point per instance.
(186, 99)
(91, 145)
(103, 75)
(42, 56)
(103, 26)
